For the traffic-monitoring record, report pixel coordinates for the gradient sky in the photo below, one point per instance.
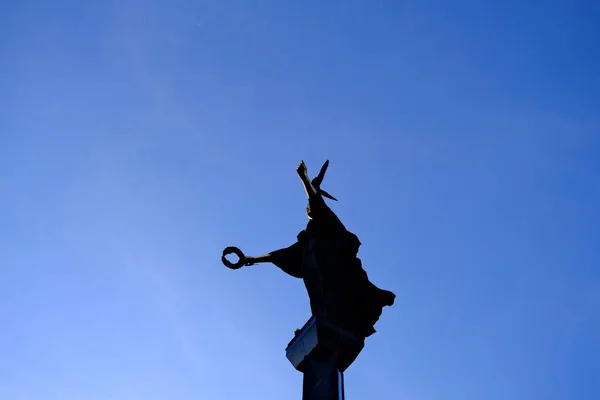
(139, 138)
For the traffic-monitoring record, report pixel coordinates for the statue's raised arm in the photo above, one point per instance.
(317, 208)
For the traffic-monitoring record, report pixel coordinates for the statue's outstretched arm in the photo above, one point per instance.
(289, 259)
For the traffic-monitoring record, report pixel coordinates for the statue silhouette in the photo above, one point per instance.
(325, 258)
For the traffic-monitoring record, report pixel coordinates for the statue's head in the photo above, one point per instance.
(308, 214)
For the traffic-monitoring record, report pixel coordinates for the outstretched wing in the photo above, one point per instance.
(319, 179)
(324, 193)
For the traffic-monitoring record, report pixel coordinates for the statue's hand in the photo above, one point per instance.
(302, 170)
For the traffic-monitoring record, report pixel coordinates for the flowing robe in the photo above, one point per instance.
(325, 258)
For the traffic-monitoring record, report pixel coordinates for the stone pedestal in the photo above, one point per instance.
(322, 352)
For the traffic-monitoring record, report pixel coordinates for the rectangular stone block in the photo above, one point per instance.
(322, 341)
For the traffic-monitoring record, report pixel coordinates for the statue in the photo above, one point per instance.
(325, 258)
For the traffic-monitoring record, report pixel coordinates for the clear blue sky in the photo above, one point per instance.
(139, 138)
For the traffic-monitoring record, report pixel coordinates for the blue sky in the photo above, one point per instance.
(139, 138)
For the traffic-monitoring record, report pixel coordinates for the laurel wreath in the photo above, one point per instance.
(237, 252)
